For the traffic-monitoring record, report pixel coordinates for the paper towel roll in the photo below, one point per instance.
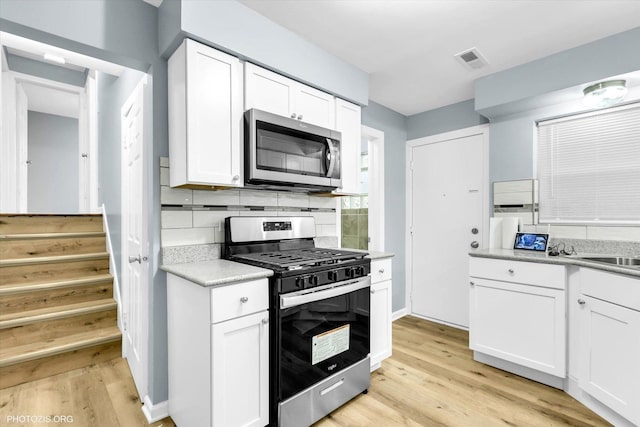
(509, 230)
(495, 233)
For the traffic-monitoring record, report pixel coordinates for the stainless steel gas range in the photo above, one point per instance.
(319, 311)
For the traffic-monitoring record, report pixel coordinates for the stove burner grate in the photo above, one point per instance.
(299, 258)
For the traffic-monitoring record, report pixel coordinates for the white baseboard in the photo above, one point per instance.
(155, 412)
(398, 314)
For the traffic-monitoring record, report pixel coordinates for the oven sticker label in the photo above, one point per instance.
(330, 343)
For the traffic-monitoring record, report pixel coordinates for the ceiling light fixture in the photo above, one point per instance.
(54, 58)
(605, 94)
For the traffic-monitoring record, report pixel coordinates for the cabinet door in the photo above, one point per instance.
(214, 116)
(269, 91)
(348, 122)
(610, 355)
(519, 323)
(240, 371)
(380, 322)
(314, 106)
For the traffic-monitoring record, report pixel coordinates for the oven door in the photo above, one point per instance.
(321, 332)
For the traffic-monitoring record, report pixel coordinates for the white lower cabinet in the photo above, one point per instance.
(380, 311)
(522, 320)
(218, 342)
(609, 343)
(240, 371)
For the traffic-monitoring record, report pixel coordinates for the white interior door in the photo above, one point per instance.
(447, 202)
(22, 141)
(134, 242)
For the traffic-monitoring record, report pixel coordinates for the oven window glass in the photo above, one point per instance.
(286, 150)
(320, 338)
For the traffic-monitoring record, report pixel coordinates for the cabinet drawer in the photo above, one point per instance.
(240, 299)
(380, 270)
(529, 273)
(611, 287)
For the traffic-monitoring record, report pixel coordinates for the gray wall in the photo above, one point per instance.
(46, 71)
(53, 173)
(239, 30)
(394, 126)
(451, 117)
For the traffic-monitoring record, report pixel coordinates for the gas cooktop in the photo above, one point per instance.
(295, 259)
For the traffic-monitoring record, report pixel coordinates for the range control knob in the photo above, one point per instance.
(313, 280)
(300, 282)
(351, 272)
(360, 271)
(333, 276)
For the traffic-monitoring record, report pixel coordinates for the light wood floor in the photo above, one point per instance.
(431, 380)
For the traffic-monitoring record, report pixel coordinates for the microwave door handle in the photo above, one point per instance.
(332, 158)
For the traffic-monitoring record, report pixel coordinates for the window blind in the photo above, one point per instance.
(589, 167)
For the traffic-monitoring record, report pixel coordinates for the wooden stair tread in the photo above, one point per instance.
(79, 234)
(25, 353)
(50, 313)
(10, 289)
(52, 259)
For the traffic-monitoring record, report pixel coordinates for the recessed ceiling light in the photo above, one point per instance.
(54, 58)
(605, 94)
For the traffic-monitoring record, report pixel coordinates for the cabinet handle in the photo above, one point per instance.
(265, 321)
(381, 271)
(581, 301)
(373, 291)
(235, 177)
(299, 116)
(511, 271)
(472, 283)
(293, 115)
(244, 299)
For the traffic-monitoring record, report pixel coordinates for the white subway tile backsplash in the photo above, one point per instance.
(613, 233)
(564, 231)
(164, 162)
(323, 218)
(216, 198)
(292, 213)
(258, 198)
(176, 196)
(326, 230)
(528, 228)
(323, 202)
(293, 200)
(259, 213)
(164, 176)
(188, 236)
(211, 218)
(176, 219)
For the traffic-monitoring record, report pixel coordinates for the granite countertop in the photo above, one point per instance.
(510, 254)
(216, 272)
(373, 254)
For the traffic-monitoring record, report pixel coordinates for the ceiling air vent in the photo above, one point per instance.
(471, 58)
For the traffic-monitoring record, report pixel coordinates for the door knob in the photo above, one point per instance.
(137, 259)
(475, 244)
(581, 301)
(474, 230)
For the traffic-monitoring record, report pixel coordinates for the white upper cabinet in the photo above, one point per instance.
(205, 117)
(348, 122)
(269, 91)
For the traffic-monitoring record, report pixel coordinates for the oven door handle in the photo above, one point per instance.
(298, 298)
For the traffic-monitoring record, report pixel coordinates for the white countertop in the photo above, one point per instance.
(216, 272)
(546, 259)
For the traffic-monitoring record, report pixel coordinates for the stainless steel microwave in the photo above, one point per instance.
(284, 153)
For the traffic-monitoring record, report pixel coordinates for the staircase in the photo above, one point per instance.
(57, 311)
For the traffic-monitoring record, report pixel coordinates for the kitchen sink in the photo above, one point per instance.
(613, 260)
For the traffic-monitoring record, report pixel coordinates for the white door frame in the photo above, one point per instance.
(433, 139)
(142, 382)
(376, 181)
(15, 200)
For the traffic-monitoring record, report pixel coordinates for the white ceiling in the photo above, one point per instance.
(408, 46)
